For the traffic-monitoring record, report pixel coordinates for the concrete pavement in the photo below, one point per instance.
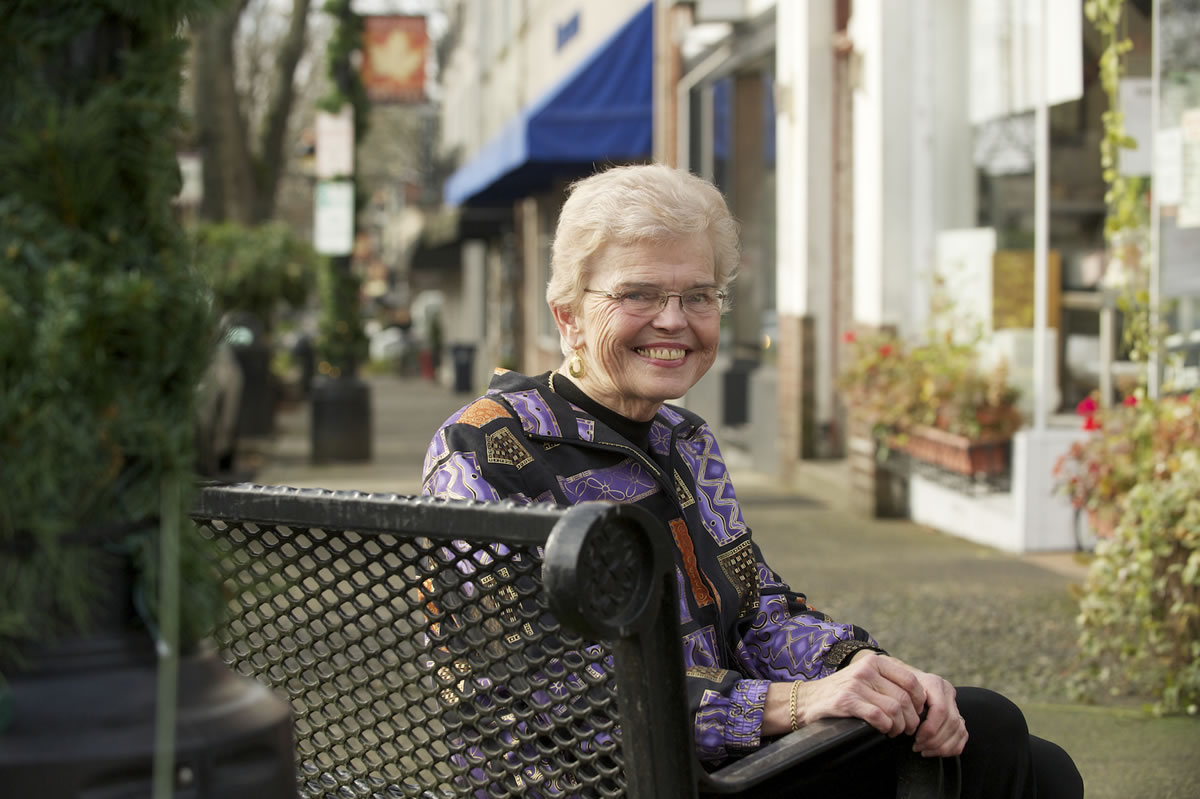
(972, 614)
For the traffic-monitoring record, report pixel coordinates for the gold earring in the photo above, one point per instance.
(575, 365)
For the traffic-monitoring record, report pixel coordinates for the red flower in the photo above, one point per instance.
(1130, 400)
(1090, 423)
(1086, 406)
(849, 337)
(885, 350)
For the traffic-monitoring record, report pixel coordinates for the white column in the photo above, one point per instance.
(474, 301)
(882, 33)
(804, 174)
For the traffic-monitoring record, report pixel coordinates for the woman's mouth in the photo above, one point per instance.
(661, 353)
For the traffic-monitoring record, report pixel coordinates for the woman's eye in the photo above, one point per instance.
(635, 296)
(699, 298)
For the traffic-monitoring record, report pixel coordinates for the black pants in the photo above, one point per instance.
(1001, 761)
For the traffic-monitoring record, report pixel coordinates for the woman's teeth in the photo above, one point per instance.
(661, 353)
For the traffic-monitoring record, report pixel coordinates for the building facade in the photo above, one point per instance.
(868, 147)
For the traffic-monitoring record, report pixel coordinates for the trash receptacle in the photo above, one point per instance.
(464, 366)
(246, 335)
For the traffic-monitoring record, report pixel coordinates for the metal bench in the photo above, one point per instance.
(445, 649)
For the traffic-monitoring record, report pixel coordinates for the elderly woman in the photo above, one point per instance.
(642, 260)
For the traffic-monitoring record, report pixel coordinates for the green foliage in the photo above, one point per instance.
(1138, 475)
(1138, 442)
(935, 380)
(342, 344)
(1127, 224)
(255, 269)
(346, 84)
(1140, 612)
(105, 326)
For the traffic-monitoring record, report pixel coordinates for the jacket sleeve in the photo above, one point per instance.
(456, 462)
(784, 640)
(787, 639)
(728, 709)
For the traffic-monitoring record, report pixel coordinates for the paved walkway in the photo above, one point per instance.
(975, 615)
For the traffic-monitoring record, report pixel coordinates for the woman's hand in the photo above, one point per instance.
(882, 691)
(885, 692)
(943, 733)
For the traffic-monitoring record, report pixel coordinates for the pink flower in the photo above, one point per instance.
(885, 350)
(1130, 400)
(1086, 406)
(849, 337)
(1090, 423)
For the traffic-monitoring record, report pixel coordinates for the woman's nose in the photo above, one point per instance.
(671, 315)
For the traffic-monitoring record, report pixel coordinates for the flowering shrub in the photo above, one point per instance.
(1139, 441)
(1138, 478)
(936, 382)
(1140, 610)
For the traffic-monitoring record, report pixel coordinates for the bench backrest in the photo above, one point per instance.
(441, 649)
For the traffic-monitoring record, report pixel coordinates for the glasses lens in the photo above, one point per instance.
(641, 302)
(702, 301)
(697, 302)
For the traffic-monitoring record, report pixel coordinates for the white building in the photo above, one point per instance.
(864, 146)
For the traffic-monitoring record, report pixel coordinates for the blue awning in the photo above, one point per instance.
(600, 112)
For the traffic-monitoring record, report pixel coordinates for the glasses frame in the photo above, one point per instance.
(664, 299)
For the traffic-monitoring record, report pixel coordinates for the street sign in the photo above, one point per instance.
(333, 223)
(335, 144)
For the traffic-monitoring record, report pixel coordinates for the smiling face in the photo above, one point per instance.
(634, 363)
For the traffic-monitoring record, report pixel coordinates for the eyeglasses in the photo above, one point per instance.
(650, 302)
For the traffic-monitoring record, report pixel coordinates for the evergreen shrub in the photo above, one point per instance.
(105, 326)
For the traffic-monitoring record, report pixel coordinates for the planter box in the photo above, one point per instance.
(978, 458)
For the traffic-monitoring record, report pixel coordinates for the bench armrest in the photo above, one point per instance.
(787, 752)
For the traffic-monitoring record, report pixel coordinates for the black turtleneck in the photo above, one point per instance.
(634, 431)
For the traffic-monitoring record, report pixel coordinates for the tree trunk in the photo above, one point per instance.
(240, 183)
(273, 147)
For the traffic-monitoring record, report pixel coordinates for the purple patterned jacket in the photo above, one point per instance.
(742, 626)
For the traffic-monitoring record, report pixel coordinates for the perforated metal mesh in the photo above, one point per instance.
(419, 668)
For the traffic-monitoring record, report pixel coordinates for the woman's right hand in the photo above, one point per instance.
(882, 691)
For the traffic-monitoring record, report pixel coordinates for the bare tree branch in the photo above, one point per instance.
(272, 156)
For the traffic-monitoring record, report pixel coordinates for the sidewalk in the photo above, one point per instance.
(975, 615)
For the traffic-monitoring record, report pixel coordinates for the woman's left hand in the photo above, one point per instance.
(942, 733)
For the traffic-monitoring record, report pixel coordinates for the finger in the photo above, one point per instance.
(882, 712)
(893, 698)
(937, 715)
(904, 676)
(906, 714)
(952, 745)
(940, 709)
(948, 739)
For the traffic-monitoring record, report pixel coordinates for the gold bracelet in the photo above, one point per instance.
(792, 705)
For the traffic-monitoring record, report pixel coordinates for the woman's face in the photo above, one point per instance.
(635, 362)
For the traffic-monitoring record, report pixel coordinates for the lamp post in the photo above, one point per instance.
(341, 402)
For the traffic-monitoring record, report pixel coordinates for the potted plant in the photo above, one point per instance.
(932, 399)
(255, 273)
(105, 328)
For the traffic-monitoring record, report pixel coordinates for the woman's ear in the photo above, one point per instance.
(568, 326)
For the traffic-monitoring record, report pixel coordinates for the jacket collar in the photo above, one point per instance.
(546, 414)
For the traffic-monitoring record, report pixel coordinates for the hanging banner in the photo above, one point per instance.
(333, 217)
(1003, 63)
(394, 51)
